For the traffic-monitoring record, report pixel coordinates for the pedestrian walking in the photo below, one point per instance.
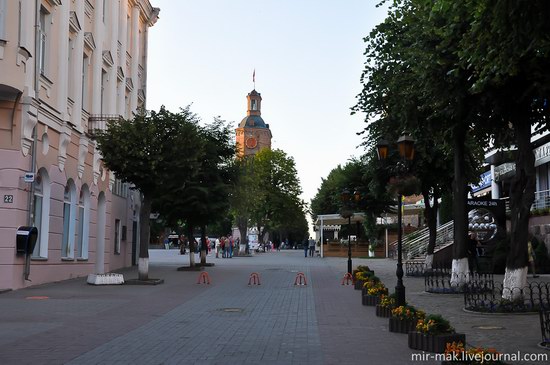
(311, 247)
(183, 243)
(222, 245)
(306, 247)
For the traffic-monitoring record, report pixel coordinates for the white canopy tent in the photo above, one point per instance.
(333, 220)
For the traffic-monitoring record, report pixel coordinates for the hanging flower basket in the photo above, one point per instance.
(433, 342)
(399, 325)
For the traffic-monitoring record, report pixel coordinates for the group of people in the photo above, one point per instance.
(226, 245)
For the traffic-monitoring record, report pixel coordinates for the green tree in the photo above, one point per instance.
(278, 188)
(414, 83)
(151, 151)
(507, 49)
(327, 200)
(204, 199)
(243, 197)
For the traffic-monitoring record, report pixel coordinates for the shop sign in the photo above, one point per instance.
(508, 168)
(542, 154)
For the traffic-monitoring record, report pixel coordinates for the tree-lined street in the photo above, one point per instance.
(229, 322)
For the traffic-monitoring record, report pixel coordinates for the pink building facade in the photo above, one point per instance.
(66, 67)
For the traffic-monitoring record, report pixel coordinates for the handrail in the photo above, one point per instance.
(416, 243)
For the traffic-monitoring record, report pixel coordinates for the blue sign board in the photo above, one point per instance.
(484, 182)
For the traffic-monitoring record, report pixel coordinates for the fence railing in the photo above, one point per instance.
(440, 281)
(416, 243)
(542, 200)
(98, 122)
(531, 298)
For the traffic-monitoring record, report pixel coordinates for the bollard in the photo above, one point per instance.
(205, 278)
(253, 277)
(348, 279)
(299, 277)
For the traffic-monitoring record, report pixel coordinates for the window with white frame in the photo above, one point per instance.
(85, 83)
(83, 222)
(37, 214)
(43, 42)
(41, 213)
(2, 19)
(117, 236)
(67, 238)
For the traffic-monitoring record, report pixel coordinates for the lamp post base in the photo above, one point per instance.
(400, 295)
(349, 266)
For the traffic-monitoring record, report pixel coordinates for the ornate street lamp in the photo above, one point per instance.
(405, 146)
(347, 212)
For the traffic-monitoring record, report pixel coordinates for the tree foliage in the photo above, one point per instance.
(151, 151)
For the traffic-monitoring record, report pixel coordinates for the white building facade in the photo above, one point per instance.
(66, 67)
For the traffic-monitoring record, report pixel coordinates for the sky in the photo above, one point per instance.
(307, 56)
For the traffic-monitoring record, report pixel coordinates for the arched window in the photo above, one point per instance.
(41, 213)
(83, 222)
(69, 210)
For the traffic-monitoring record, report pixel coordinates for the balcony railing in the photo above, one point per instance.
(98, 122)
(542, 200)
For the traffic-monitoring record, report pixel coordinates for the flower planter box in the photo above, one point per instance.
(400, 325)
(359, 284)
(370, 300)
(383, 311)
(433, 343)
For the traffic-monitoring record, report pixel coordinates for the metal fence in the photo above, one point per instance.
(439, 282)
(531, 298)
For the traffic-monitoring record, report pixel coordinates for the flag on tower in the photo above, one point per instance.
(254, 76)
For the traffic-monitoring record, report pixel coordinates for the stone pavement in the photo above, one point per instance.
(507, 333)
(227, 322)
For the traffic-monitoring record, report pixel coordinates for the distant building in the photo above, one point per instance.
(67, 67)
(253, 134)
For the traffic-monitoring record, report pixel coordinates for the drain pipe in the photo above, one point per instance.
(30, 214)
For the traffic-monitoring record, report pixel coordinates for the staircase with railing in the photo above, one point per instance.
(415, 244)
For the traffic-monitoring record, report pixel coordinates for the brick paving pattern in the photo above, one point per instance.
(229, 322)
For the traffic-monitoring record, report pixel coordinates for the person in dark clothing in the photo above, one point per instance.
(473, 244)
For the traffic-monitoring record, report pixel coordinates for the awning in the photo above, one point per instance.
(337, 219)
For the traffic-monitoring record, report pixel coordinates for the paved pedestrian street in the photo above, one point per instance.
(226, 322)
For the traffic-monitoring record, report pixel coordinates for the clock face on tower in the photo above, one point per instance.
(251, 142)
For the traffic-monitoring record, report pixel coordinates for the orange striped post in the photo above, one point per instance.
(254, 279)
(300, 279)
(348, 279)
(205, 278)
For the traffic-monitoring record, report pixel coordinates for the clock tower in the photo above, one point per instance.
(253, 133)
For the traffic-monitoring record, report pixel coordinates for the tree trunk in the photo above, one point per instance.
(242, 224)
(191, 245)
(144, 217)
(460, 269)
(431, 218)
(204, 245)
(522, 195)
